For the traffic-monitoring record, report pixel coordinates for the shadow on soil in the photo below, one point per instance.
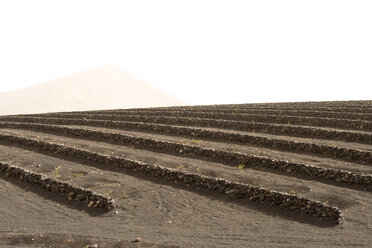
(48, 195)
(262, 207)
(227, 162)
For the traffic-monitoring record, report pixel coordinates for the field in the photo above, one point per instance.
(245, 175)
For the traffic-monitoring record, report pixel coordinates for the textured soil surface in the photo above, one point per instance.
(158, 211)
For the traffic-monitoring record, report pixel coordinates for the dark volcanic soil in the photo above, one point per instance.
(155, 213)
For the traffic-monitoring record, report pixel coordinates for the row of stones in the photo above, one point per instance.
(356, 103)
(296, 120)
(238, 107)
(337, 115)
(238, 190)
(297, 131)
(248, 160)
(322, 104)
(89, 197)
(335, 152)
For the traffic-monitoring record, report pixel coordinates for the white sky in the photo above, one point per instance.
(203, 52)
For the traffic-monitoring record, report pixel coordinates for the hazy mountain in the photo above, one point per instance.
(106, 87)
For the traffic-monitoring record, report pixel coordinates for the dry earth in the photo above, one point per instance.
(313, 152)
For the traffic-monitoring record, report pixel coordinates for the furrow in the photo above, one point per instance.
(61, 188)
(335, 152)
(233, 189)
(146, 123)
(282, 119)
(246, 160)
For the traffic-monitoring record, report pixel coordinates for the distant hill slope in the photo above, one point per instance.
(106, 87)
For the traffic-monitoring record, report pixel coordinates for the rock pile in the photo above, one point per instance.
(71, 192)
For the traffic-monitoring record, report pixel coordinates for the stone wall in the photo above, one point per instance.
(242, 111)
(335, 175)
(71, 192)
(136, 121)
(238, 190)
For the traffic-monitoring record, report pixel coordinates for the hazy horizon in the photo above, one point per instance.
(106, 87)
(201, 52)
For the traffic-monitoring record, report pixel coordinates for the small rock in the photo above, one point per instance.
(70, 195)
(80, 197)
(138, 239)
(230, 192)
(262, 197)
